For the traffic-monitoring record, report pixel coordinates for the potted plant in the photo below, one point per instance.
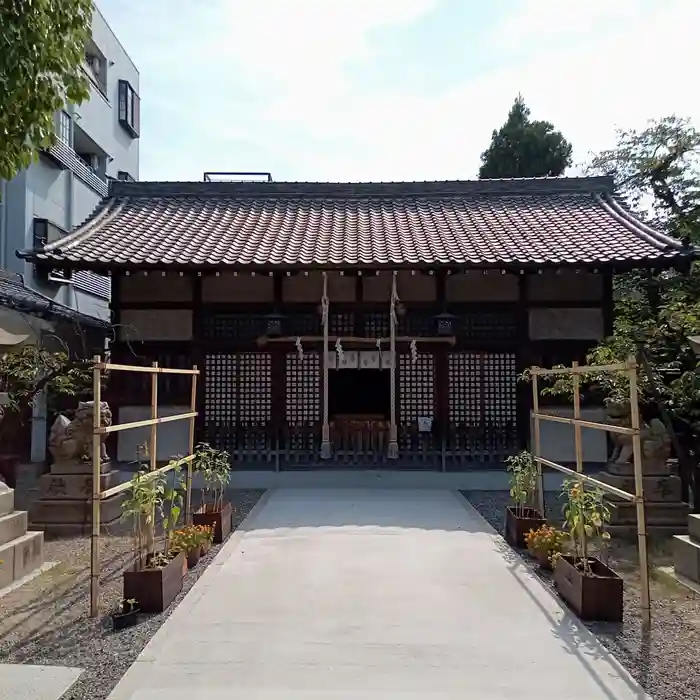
(522, 516)
(189, 540)
(215, 512)
(589, 586)
(126, 614)
(545, 543)
(156, 576)
(206, 538)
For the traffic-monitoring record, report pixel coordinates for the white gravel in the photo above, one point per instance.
(665, 662)
(47, 623)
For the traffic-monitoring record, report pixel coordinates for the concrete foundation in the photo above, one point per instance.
(64, 506)
(21, 551)
(686, 551)
(666, 514)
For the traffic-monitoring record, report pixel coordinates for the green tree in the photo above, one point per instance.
(525, 148)
(42, 47)
(657, 171)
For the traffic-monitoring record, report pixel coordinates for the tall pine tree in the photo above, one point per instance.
(525, 148)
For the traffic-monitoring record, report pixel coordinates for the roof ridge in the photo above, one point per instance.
(525, 186)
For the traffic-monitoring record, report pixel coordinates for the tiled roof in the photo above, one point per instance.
(14, 294)
(548, 221)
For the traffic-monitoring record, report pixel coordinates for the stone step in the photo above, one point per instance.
(12, 526)
(78, 468)
(7, 499)
(686, 557)
(20, 557)
(625, 513)
(654, 532)
(656, 488)
(694, 526)
(627, 469)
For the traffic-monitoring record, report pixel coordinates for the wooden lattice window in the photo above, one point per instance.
(416, 322)
(377, 324)
(220, 400)
(464, 396)
(303, 324)
(342, 323)
(233, 326)
(303, 389)
(416, 388)
(254, 388)
(500, 388)
(488, 325)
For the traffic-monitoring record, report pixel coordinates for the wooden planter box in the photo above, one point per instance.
(597, 597)
(218, 520)
(518, 526)
(155, 589)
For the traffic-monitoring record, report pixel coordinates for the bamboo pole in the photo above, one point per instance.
(538, 443)
(154, 369)
(578, 449)
(125, 486)
(190, 443)
(581, 369)
(589, 480)
(606, 427)
(153, 448)
(144, 423)
(96, 473)
(631, 366)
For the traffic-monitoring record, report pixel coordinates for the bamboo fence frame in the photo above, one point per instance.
(575, 371)
(154, 421)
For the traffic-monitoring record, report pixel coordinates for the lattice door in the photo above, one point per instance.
(220, 400)
(254, 388)
(464, 395)
(416, 388)
(303, 389)
(482, 399)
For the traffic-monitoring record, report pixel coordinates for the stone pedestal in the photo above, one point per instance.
(64, 506)
(21, 551)
(686, 552)
(666, 514)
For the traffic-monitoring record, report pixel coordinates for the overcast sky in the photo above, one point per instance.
(393, 89)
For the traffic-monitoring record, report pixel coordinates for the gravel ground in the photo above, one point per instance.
(46, 621)
(664, 662)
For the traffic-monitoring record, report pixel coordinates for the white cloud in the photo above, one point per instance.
(290, 80)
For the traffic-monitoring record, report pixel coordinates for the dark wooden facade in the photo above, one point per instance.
(262, 402)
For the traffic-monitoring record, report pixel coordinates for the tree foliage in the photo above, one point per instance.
(525, 148)
(657, 170)
(42, 47)
(26, 372)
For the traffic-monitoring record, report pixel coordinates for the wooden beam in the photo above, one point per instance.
(450, 340)
(608, 427)
(143, 423)
(109, 366)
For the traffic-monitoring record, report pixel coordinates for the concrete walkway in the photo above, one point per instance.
(366, 594)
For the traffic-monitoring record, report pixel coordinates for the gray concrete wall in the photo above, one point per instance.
(172, 438)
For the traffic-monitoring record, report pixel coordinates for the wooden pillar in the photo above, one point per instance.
(278, 379)
(523, 360)
(440, 358)
(198, 353)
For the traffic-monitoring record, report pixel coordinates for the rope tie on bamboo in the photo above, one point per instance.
(393, 451)
(325, 431)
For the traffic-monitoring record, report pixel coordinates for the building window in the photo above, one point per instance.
(64, 127)
(129, 108)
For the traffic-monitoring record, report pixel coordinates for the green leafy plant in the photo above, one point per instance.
(585, 514)
(546, 542)
(215, 467)
(43, 49)
(523, 481)
(143, 502)
(173, 498)
(126, 606)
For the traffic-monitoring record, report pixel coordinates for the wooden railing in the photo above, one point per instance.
(364, 444)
